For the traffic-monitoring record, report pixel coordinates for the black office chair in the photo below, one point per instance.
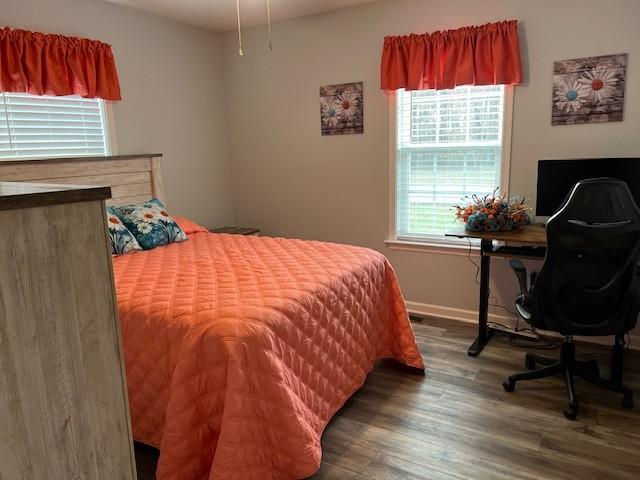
(589, 283)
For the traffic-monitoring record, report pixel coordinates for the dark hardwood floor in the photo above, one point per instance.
(458, 423)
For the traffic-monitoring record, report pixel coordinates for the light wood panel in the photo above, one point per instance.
(14, 195)
(457, 423)
(137, 177)
(157, 183)
(130, 200)
(63, 400)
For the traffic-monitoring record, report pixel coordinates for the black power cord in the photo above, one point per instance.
(494, 303)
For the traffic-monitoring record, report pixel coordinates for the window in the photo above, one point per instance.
(448, 145)
(34, 126)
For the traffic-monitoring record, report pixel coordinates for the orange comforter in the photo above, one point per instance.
(240, 349)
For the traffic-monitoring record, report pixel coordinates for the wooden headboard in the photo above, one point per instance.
(132, 178)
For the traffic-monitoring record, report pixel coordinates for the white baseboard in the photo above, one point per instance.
(460, 314)
(471, 316)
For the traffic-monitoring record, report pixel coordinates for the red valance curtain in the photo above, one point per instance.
(44, 64)
(484, 55)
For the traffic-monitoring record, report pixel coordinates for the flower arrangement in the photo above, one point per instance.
(493, 212)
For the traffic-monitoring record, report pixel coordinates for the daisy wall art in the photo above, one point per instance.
(341, 109)
(589, 90)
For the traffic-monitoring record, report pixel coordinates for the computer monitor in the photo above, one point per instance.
(556, 178)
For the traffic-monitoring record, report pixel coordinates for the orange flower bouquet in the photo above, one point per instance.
(493, 212)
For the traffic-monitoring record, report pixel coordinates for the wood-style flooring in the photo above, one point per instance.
(458, 423)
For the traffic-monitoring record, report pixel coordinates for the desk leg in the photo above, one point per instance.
(484, 333)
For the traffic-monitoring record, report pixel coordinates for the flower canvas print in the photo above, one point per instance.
(341, 109)
(589, 90)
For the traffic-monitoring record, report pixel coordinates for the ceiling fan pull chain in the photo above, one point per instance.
(269, 23)
(240, 52)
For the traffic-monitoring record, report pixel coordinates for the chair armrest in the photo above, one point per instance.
(521, 273)
(524, 306)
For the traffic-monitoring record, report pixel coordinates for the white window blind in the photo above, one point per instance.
(40, 126)
(449, 145)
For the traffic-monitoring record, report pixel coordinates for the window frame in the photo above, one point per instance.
(110, 140)
(437, 242)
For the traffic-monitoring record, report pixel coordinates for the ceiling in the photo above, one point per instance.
(220, 15)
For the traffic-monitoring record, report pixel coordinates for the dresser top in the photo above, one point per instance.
(17, 195)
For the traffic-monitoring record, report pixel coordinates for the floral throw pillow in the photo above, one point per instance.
(151, 224)
(122, 240)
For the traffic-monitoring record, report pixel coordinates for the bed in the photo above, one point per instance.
(240, 349)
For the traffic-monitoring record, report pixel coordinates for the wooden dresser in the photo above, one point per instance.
(63, 400)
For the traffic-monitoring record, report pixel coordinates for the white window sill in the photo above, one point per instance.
(441, 248)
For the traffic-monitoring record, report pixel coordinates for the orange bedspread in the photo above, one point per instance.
(240, 349)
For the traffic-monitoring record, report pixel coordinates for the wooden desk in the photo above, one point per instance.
(527, 242)
(534, 234)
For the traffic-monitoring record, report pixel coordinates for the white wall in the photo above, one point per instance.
(173, 94)
(255, 120)
(291, 181)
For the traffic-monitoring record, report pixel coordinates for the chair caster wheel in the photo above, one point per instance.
(529, 363)
(627, 401)
(571, 413)
(508, 386)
